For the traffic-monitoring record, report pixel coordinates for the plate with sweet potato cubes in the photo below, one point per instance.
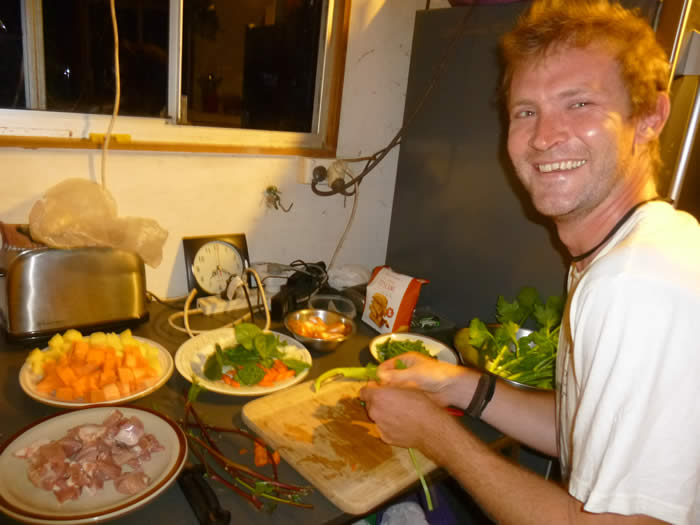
(76, 370)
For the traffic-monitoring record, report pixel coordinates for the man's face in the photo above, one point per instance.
(570, 137)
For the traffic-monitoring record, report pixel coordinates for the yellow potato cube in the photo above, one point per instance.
(72, 335)
(98, 339)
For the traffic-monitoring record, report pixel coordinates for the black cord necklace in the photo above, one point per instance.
(617, 226)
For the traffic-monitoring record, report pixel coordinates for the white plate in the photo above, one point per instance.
(435, 347)
(192, 355)
(20, 499)
(28, 381)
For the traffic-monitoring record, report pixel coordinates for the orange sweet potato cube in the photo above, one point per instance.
(111, 392)
(86, 369)
(80, 351)
(65, 393)
(81, 386)
(107, 377)
(94, 381)
(96, 396)
(49, 383)
(96, 354)
(124, 388)
(66, 374)
(110, 364)
(126, 375)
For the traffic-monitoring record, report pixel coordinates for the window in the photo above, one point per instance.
(200, 75)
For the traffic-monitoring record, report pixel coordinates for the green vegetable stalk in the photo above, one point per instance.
(528, 359)
(362, 373)
(369, 373)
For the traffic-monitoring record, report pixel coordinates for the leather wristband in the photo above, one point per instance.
(482, 395)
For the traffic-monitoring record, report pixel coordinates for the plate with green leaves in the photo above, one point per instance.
(386, 346)
(243, 361)
(521, 348)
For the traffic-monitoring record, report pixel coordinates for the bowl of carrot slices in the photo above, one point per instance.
(320, 330)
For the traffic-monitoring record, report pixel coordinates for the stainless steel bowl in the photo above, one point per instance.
(472, 357)
(328, 317)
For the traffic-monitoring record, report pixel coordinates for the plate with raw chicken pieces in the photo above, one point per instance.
(89, 465)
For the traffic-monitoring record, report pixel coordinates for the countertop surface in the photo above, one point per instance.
(18, 410)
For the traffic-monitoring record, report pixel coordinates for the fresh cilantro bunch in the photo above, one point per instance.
(527, 359)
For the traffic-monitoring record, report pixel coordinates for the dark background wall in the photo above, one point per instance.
(460, 218)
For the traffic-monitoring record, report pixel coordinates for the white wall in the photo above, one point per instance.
(197, 194)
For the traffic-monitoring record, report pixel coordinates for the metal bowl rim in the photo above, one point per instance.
(344, 318)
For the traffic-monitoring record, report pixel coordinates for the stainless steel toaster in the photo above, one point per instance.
(45, 290)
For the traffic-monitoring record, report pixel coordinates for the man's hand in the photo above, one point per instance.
(443, 383)
(405, 417)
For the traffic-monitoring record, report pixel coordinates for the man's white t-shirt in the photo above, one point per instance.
(628, 371)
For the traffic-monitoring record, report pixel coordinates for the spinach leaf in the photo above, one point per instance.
(213, 367)
(249, 374)
(266, 345)
(240, 355)
(246, 334)
(295, 364)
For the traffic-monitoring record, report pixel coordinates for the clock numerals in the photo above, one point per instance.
(212, 261)
(215, 263)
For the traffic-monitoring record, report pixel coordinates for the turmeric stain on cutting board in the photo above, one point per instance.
(298, 433)
(332, 468)
(352, 436)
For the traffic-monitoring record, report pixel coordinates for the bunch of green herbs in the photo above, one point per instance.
(254, 352)
(394, 347)
(528, 359)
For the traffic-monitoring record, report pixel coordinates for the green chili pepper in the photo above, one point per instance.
(362, 373)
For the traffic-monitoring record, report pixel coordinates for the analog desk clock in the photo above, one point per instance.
(212, 260)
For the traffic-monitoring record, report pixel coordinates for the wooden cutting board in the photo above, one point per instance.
(328, 438)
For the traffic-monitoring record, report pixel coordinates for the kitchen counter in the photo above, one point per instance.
(18, 410)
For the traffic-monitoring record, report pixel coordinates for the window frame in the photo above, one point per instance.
(50, 129)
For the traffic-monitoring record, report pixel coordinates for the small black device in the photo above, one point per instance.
(212, 260)
(300, 286)
(201, 497)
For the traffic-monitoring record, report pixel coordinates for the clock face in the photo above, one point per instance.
(214, 264)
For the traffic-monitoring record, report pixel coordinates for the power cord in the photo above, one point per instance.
(117, 94)
(374, 159)
(187, 312)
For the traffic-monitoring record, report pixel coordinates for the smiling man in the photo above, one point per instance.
(586, 95)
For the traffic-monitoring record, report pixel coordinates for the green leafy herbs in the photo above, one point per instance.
(247, 361)
(393, 347)
(295, 364)
(213, 367)
(524, 358)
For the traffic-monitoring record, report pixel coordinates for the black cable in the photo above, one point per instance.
(250, 306)
(377, 157)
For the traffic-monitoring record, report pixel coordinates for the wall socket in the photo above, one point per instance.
(306, 168)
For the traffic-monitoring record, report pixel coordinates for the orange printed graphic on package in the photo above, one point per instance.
(391, 299)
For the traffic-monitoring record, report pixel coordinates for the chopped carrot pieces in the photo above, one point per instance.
(260, 457)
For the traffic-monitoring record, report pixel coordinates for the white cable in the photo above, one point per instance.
(176, 315)
(186, 309)
(186, 312)
(261, 291)
(117, 94)
(347, 228)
